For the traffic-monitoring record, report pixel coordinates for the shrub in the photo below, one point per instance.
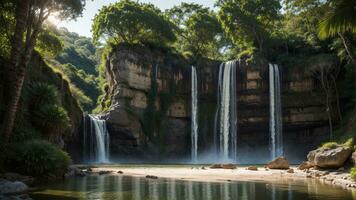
(353, 173)
(349, 143)
(37, 158)
(330, 145)
(51, 120)
(39, 93)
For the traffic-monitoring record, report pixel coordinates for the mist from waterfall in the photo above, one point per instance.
(194, 118)
(276, 132)
(95, 139)
(226, 115)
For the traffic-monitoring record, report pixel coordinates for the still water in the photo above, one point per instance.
(134, 188)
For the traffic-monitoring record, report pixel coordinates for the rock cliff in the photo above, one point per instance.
(149, 115)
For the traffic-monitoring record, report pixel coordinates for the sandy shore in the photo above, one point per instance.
(340, 178)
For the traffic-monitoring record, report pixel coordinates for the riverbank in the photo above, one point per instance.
(205, 174)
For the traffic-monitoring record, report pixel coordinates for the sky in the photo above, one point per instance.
(82, 25)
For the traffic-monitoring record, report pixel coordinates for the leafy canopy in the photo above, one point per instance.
(249, 22)
(340, 18)
(132, 22)
(199, 30)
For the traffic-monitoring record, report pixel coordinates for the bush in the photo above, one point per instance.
(349, 143)
(51, 120)
(330, 145)
(353, 173)
(37, 158)
(39, 93)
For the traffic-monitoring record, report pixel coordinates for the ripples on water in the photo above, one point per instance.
(134, 188)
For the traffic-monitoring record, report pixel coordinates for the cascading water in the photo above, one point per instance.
(226, 116)
(276, 134)
(96, 139)
(194, 126)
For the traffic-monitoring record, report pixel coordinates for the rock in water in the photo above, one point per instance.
(305, 165)
(331, 158)
(9, 187)
(279, 163)
(290, 171)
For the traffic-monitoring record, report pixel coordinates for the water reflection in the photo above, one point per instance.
(134, 188)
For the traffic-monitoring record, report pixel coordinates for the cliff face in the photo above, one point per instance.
(147, 123)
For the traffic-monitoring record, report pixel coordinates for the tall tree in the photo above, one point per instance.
(199, 31)
(132, 22)
(248, 22)
(30, 15)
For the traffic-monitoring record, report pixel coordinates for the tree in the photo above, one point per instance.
(340, 20)
(29, 17)
(199, 30)
(132, 22)
(248, 22)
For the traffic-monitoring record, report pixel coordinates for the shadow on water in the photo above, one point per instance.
(135, 188)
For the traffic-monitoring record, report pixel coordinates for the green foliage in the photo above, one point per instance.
(48, 44)
(38, 94)
(249, 23)
(330, 145)
(36, 158)
(51, 120)
(78, 63)
(340, 18)
(349, 143)
(132, 22)
(199, 30)
(353, 173)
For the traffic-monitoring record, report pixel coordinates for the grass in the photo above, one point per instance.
(333, 145)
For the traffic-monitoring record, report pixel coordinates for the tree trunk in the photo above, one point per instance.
(17, 42)
(16, 87)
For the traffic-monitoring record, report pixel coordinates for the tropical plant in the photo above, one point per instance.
(340, 20)
(51, 119)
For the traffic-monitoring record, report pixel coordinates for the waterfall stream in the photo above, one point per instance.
(276, 134)
(95, 139)
(226, 117)
(194, 118)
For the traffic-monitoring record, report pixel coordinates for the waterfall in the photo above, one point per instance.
(194, 126)
(276, 134)
(96, 139)
(226, 115)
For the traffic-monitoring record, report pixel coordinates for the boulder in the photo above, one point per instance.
(28, 180)
(215, 166)
(290, 170)
(311, 155)
(228, 166)
(12, 187)
(305, 165)
(329, 158)
(253, 168)
(353, 158)
(278, 163)
(332, 158)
